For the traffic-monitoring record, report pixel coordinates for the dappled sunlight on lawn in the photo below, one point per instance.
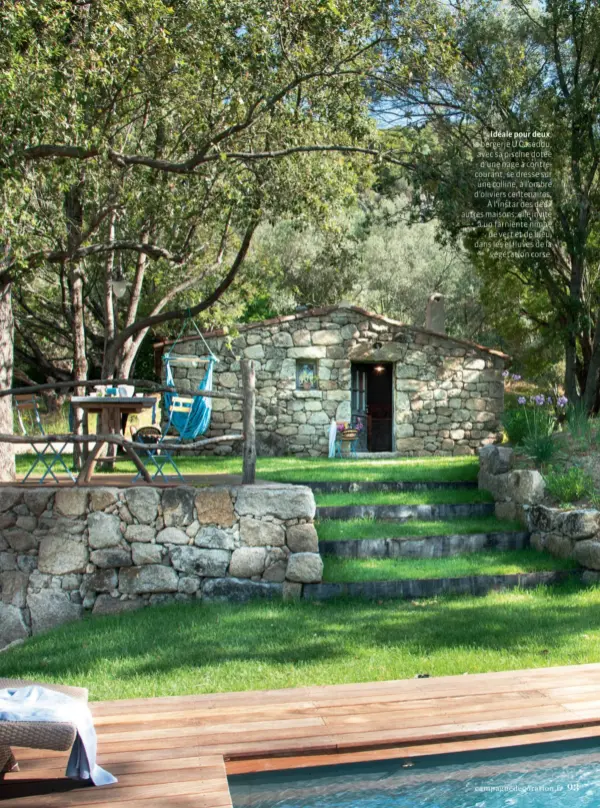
(306, 469)
(199, 648)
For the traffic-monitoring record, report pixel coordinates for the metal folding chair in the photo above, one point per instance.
(47, 456)
(161, 457)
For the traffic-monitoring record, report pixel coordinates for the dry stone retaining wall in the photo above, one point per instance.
(567, 534)
(69, 551)
(520, 494)
(448, 395)
(512, 489)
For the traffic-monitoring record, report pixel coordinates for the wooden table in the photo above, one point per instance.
(109, 410)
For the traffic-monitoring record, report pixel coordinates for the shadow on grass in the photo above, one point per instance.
(260, 639)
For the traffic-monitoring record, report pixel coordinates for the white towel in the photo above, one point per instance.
(332, 437)
(34, 703)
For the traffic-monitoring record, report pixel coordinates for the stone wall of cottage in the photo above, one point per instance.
(108, 550)
(448, 395)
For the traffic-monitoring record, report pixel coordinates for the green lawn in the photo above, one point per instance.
(436, 496)
(406, 469)
(339, 529)
(485, 562)
(301, 469)
(205, 649)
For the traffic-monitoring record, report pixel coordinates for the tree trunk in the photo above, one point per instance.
(79, 354)
(590, 392)
(74, 221)
(571, 367)
(128, 352)
(109, 306)
(7, 453)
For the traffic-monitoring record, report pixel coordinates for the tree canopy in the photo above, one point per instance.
(520, 66)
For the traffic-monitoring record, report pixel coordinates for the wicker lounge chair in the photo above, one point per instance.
(35, 734)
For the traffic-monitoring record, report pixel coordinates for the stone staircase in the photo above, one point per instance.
(426, 546)
(395, 485)
(403, 513)
(412, 546)
(419, 546)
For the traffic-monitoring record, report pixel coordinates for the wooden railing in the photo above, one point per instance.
(131, 447)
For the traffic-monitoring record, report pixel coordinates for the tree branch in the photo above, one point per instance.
(157, 319)
(45, 151)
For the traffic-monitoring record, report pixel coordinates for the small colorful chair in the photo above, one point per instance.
(49, 455)
(161, 456)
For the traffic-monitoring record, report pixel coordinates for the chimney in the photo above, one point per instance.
(434, 320)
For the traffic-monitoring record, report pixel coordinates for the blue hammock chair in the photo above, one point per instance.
(189, 416)
(195, 421)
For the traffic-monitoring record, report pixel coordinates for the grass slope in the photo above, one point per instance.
(437, 496)
(198, 648)
(486, 562)
(302, 469)
(340, 529)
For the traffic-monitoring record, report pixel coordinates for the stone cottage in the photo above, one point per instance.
(411, 390)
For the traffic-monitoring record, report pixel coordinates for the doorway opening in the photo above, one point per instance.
(372, 404)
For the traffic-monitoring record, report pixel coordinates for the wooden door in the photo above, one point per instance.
(359, 406)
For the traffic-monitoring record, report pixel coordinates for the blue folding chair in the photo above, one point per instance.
(161, 457)
(47, 456)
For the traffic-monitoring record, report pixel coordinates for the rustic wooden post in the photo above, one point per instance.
(249, 422)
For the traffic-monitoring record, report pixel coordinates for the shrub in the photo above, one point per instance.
(533, 422)
(528, 423)
(578, 422)
(570, 485)
(515, 425)
(539, 447)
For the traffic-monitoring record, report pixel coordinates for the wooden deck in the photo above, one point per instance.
(175, 752)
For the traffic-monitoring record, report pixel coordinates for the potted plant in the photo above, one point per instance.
(349, 432)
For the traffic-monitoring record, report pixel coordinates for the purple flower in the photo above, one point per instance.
(522, 400)
(539, 399)
(516, 377)
(549, 400)
(562, 401)
(505, 373)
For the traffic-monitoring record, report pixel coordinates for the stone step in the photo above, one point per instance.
(425, 546)
(433, 587)
(402, 513)
(394, 485)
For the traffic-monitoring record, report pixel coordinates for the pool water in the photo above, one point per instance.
(565, 775)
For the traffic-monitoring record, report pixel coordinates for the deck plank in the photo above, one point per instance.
(175, 752)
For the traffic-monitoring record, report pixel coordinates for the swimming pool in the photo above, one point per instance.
(565, 775)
